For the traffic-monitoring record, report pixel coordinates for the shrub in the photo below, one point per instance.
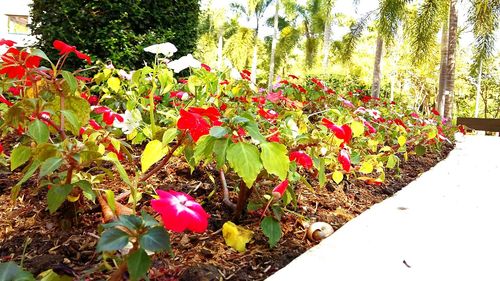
(115, 30)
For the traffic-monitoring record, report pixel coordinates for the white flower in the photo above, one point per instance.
(185, 96)
(323, 151)
(293, 127)
(375, 114)
(167, 49)
(183, 63)
(235, 74)
(131, 121)
(123, 74)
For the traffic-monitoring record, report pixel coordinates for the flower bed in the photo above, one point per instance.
(146, 148)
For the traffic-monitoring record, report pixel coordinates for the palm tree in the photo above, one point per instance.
(256, 9)
(273, 46)
(330, 4)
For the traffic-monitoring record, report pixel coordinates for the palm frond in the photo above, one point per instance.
(425, 27)
(391, 14)
(484, 16)
(350, 40)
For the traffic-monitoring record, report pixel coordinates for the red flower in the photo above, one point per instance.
(9, 43)
(275, 137)
(269, 115)
(284, 82)
(179, 212)
(1, 148)
(330, 91)
(206, 67)
(371, 130)
(279, 190)
(223, 106)
(259, 100)
(245, 74)
(183, 81)
(65, 49)
(94, 124)
(435, 112)
(366, 99)
(108, 116)
(345, 160)
(16, 63)
(399, 122)
(111, 148)
(6, 101)
(16, 91)
(193, 121)
(461, 129)
(301, 158)
(293, 76)
(414, 115)
(318, 83)
(225, 82)
(343, 132)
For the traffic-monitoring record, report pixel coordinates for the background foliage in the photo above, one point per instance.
(116, 30)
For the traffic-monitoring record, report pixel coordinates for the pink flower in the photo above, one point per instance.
(345, 160)
(275, 97)
(301, 158)
(179, 212)
(280, 189)
(371, 130)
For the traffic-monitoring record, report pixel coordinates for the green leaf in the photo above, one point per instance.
(111, 157)
(275, 159)
(218, 132)
(420, 150)
(204, 148)
(50, 275)
(72, 118)
(392, 161)
(321, 173)
(29, 172)
(130, 221)
(337, 177)
(86, 188)
(19, 156)
(71, 80)
(357, 129)
(432, 133)
(57, 195)
(253, 130)
(114, 84)
(169, 136)
(39, 131)
(110, 198)
(156, 240)
(366, 168)
(50, 165)
(153, 153)
(355, 158)
(272, 229)
(10, 271)
(220, 148)
(39, 53)
(245, 161)
(138, 264)
(79, 106)
(111, 240)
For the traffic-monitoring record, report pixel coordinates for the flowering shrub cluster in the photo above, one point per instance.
(301, 132)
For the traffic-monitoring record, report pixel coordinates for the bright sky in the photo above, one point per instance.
(346, 6)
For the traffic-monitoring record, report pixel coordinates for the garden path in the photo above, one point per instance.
(443, 226)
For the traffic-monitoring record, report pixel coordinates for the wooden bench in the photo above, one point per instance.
(480, 124)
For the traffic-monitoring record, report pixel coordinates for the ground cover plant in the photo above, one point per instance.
(148, 168)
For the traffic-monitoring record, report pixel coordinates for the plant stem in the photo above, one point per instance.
(226, 199)
(164, 161)
(243, 196)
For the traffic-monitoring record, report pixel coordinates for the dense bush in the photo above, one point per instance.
(115, 30)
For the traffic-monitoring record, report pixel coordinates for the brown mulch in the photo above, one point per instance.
(66, 242)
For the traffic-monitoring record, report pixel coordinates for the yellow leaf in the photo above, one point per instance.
(337, 177)
(101, 149)
(153, 153)
(432, 134)
(357, 128)
(236, 236)
(402, 140)
(72, 198)
(372, 144)
(114, 84)
(366, 168)
(116, 144)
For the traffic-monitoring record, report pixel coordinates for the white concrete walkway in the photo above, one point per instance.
(443, 226)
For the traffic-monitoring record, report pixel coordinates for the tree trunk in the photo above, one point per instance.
(450, 73)
(442, 69)
(326, 36)
(273, 48)
(478, 89)
(253, 76)
(219, 50)
(376, 68)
